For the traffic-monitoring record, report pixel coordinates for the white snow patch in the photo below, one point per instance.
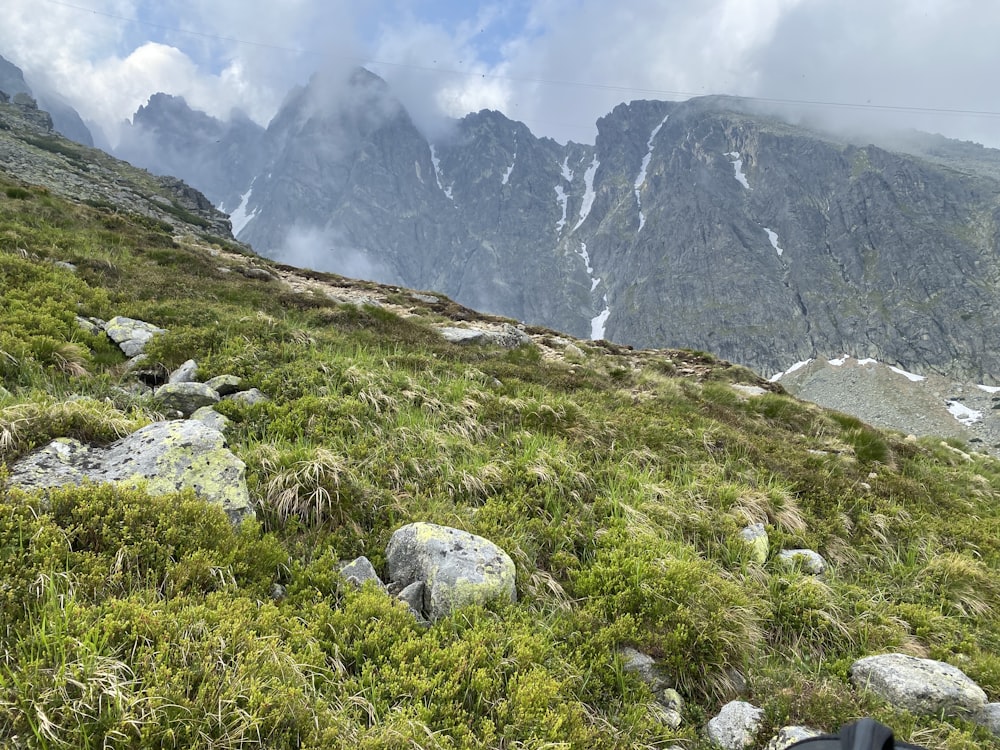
(773, 237)
(582, 252)
(988, 388)
(641, 177)
(437, 173)
(597, 324)
(790, 370)
(963, 413)
(908, 375)
(839, 361)
(588, 192)
(567, 173)
(240, 218)
(867, 361)
(738, 168)
(562, 198)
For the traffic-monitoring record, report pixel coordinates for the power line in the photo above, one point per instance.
(540, 81)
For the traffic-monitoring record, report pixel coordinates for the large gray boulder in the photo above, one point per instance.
(736, 726)
(186, 398)
(165, 456)
(509, 337)
(457, 568)
(130, 334)
(921, 686)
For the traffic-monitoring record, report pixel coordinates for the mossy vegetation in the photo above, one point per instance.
(619, 489)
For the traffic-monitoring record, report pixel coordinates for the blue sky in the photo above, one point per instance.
(557, 65)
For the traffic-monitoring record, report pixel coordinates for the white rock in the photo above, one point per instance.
(736, 726)
(921, 686)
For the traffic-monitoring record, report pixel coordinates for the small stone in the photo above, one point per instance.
(224, 385)
(748, 390)
(94, 326)
(66, 265)
(358, 571)
(755, 535)
(251, 397)
(212, 418)
(736, 726)
(413, 595)
(278, 592)
(186, 373)
(573, 353)
(645, 668)
(811, 561)
(788, 736)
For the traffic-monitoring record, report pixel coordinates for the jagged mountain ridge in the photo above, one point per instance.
(701, 224)
(66, 120)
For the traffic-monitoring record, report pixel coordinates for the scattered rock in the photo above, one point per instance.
(509, 337)
(811, 561)
(736, 726)
(260, 274)
(670, 705)
(359, 570)
(413, 596)
(277, 592)
(130, 334)
(749, 390)
(186, 373)
(788, 736)
(212, 418)
(186, 398)
(989, 717)
(251, 397)
(755, 535)
(428, 298)
(921, 686)
(165, 456)
(94, 326)
(645, 668)
(573, 353)
(66, 265)
(225, 385)
(457, 568)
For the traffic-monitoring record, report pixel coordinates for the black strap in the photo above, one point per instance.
(866, 734)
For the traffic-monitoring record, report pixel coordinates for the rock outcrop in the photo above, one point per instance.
(921, 686)
(165, 457)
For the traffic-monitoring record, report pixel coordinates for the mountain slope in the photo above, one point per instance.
(66, 119)
(704, 223)
(620, 482)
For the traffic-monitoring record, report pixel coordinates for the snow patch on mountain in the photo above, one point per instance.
(588, 192)
(582, 252)
(773, 237)
(737, 163)
(567, 173)
(908, 375)
(506, 175)
(562, 197)
(988, 388)
(790, 370)
(963, 413)
(598, 322)
(641, 177)
(240, 218)
(437, 173)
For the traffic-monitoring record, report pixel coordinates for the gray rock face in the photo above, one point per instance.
(989, 717)
(165, 456)
(921, 686)
(736, 726)
(130, 334)
(508, 338)
(457, 568)
(186, 398)
(759, 241)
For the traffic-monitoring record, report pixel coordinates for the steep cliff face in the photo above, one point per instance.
(700, 224)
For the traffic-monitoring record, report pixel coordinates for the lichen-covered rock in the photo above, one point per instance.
(810, 560)
(457, 568)
(92, 326)
(186, 373)
(755, 535)
(251, 397)
(921, 686)
(212, 418)
(358, 571)
(788, 736)
(165, 456)
(130, 334)
(186, 398)
(225, 385)
(736, 726)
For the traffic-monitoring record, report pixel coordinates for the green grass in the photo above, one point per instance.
(618, 488)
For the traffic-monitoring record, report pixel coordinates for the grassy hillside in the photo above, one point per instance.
(618, 482)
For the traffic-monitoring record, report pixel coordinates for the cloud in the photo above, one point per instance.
(324, 249)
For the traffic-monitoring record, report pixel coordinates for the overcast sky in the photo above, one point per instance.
(557, 65)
